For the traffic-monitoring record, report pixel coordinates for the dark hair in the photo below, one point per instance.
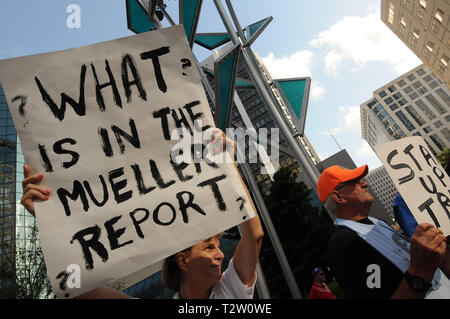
(171, 273)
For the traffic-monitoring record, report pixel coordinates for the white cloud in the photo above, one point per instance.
(317, 92)
(298, 64)
(364, 150)
(349, 120)
(363, 40)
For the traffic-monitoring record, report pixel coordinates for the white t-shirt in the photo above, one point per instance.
(230, 286)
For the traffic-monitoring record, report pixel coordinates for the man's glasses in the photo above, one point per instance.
(352, 182)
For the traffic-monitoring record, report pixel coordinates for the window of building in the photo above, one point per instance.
(402, 102)
(444, 96)
(435, 26)
(424, 108)
(446, 132)
(439, 15)
(392, 88)
(411, 77)
(428, 51)
(389, 100)
(427, 129)
(382, 94)
(413, 96)
(408, 89)
(423, 3)
(443, 65)
(391, 13)
(393, 106)
(437, 140)
(402, 117)
(397, 96)
(438, 124)
(435, 103)
(403, 27)
(415, 37)
(428, 78)
(417, 84)
(420, 72)
(422, 90)
(413, 113)
(401, 83)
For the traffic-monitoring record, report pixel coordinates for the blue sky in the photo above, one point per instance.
(341, 44)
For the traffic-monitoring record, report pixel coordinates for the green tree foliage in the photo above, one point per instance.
(23, 273)
(304, 232)
(444, 157)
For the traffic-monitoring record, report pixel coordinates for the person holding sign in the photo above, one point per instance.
(370, 259)
(196, 271)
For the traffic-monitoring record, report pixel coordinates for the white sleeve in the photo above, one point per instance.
(231, 286)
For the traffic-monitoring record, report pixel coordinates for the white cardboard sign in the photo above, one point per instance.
(98, 122)
(420, 179)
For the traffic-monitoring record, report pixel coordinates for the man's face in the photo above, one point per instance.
(356, 192)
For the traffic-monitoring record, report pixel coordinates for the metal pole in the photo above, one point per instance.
(261, 281)
(259, 201)
(301, 158)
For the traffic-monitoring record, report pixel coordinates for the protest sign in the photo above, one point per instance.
(98, 121)
(420, 179)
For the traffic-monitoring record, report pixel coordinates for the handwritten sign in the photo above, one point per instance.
(98, 121)
(420, 179)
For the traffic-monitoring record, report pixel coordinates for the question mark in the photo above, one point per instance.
(241, 205)
(23, 101)
(186, 63)
(62, 284)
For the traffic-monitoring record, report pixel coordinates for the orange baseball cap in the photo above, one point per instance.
(334, 175)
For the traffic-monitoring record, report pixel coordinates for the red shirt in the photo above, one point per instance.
(318, 292)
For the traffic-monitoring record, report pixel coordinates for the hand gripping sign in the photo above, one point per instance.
(98, 121)
(420, 179)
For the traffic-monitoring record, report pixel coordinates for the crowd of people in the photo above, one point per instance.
(367, 257)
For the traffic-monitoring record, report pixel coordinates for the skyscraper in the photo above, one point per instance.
(415, 104)
(423, 25)
(16, 224)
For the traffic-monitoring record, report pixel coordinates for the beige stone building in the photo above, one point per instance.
(415, 104)
(423, 25)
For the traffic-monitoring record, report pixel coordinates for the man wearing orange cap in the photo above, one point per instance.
(371, 260)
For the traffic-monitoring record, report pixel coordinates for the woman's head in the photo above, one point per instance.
(201, 261)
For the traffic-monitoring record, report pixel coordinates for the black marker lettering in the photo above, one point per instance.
(45, 160)
(113, 235)
(184, 205)
(407, 151)
(400, 166)
(426, 205)
(99, 87)
(92, 243)
(157, 176)
(106, 144)
(156, 214)
(117, 186)
(57, 148)
(426, 155)
(78, 191)
(127, 61)
(215, 189)
(162, 113)
(91, 194)
(138, 222)
(140, 181)
(79, 107)
(154, 55)
(133, 139)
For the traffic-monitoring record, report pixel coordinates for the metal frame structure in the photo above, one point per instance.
(291, 134)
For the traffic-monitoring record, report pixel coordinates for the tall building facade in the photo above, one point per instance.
(383, 187)
(16, 223)
(415, 104)
(423, 25)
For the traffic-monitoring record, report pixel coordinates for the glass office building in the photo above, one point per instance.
(15, 222)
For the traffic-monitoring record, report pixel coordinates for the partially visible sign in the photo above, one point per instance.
(420, 179)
